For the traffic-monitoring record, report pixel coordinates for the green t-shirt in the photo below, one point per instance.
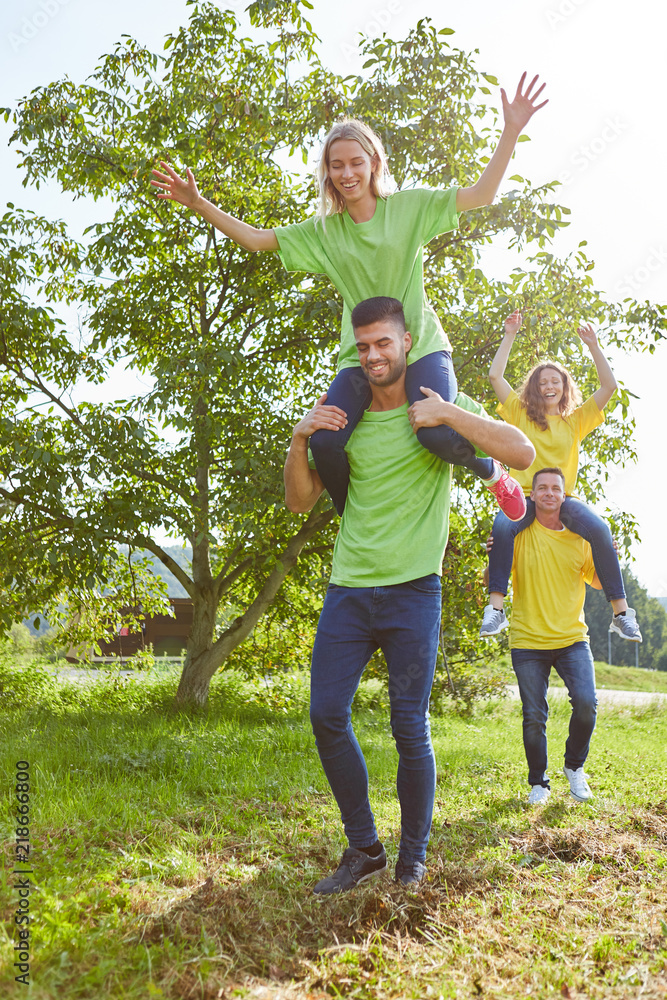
(384, 256)
(396, 519)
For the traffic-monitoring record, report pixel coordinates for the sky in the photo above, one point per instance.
(602, 135)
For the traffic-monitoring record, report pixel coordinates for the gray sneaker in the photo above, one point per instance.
(493, 622)
(626, 626)
(354, 867)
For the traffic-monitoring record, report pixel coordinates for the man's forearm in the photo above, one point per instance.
(303, 487)
(501, 441)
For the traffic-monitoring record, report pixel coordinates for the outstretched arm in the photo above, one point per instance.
(184, 191)
(516, 115)
(303, 486)
(501, 386)
(608, 384)
(502, 441)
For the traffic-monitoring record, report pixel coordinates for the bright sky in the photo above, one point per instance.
(602, 135)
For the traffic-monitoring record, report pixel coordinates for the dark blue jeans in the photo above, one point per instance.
(532, 668)
(351, 392)
(403, 621)
(580, 519)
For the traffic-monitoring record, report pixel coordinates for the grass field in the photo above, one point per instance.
(630, 679)
(173, 856)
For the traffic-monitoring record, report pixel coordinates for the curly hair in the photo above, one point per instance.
(331, 201)
(532, 399)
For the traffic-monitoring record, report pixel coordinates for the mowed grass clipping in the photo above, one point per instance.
(174, 855)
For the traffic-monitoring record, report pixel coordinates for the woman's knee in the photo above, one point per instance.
(585, 522)
(327, 445)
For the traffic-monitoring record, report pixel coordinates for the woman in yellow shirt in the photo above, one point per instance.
(548, 409)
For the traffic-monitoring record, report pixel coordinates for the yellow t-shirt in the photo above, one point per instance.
(556, 447)
(549, 574)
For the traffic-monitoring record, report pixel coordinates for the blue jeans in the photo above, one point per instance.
(580, 519)
(532, 668)
(403, 620)
(351, 392)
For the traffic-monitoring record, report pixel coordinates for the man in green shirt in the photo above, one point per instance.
(385, 584)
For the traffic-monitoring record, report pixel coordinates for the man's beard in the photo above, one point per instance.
(394, 372)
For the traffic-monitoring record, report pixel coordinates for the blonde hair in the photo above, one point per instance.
(331, 201)
(532, 399)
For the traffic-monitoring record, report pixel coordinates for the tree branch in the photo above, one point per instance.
(142, 541)
(242, 626)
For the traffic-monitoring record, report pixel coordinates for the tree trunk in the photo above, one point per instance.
(196, 677)
(204, 656)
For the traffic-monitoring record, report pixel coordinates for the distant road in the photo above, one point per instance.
(605, 695)
(608, 696)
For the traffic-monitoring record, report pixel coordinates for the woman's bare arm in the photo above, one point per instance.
(501, 386)
(184, 191)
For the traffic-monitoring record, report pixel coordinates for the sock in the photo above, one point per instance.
(497, 473)
(488, 470)
(620, 614)
(374, 851)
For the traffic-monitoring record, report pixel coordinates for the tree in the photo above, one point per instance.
(652, 619)
(230, 345)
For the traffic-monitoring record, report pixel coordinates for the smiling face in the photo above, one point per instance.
(351, 169)
(550, 385)
(382, 349)
(548, 492)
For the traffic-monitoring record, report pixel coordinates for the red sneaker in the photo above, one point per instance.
(508, 493)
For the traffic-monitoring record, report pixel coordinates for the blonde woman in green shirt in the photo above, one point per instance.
(370, 242)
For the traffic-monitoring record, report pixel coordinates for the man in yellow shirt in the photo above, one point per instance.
(551, 568)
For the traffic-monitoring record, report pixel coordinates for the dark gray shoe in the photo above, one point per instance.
(626, 626)
(409, 872)
(354, 867)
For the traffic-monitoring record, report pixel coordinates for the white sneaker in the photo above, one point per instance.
(493, 622)
(579, 789)
(626, 626)
(538, 795)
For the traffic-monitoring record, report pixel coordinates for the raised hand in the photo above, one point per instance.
(588, 335)
(321, 417)
(174, 187)
(523, 107)
(513, 324)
